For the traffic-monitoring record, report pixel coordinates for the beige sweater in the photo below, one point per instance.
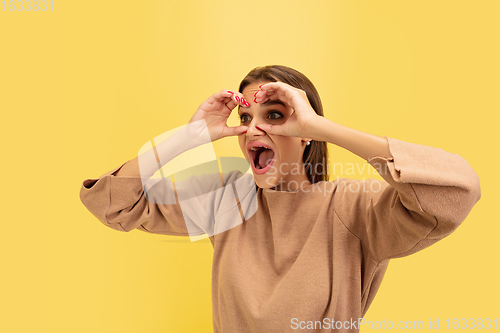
(307, 257)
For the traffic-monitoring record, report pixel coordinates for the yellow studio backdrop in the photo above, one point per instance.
(84, 84)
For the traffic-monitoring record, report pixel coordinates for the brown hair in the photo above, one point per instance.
(316, 154)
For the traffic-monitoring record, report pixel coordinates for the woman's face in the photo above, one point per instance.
(280, 165)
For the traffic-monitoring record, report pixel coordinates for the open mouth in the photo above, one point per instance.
(262, 158)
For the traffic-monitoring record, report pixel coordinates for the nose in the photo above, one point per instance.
(253, 130)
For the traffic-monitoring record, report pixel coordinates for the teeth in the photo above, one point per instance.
(255, 148)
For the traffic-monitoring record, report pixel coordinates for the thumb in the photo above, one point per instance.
(271, 129)
(230, 131)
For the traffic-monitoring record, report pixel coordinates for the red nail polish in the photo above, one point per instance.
(255, 100)
(229, 91)
(261, 85)
(259, 128)
(244, 132)
(237, 98)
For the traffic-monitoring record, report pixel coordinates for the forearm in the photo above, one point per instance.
(162, 151)
(363, 144)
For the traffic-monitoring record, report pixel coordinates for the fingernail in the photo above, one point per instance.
(255, 100)
(261, 85)
(238, 99)
(244, 101)
(244, 132)
(229, 91)
(259, 127)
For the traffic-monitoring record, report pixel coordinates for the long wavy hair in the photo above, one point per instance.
(315, 156)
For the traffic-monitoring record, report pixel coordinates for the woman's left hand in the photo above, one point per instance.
(300, 122)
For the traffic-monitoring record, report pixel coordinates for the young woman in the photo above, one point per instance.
(312, 255)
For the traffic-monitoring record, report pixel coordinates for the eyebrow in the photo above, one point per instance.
(269, 103)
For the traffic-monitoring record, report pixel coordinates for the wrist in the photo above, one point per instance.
(317, 128)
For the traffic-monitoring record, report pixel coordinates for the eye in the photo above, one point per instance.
(244, 118)
(273, 115)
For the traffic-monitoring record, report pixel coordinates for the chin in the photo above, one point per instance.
(265, 182)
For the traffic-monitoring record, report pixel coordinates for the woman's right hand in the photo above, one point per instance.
(215, 111)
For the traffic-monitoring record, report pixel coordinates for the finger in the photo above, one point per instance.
(230, 102)
(280, 96)
(262, 96)
(273, 95)
(271, 129)
(238, 97)
(233, 98)
(265, 93)
(241, 100)
(280, 88)
(232, 131)
(220, 96)
(274, 86)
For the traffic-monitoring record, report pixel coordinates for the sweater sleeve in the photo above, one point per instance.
(425, 195)
(187, 209)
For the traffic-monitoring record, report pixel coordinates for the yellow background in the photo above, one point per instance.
(84, 86)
